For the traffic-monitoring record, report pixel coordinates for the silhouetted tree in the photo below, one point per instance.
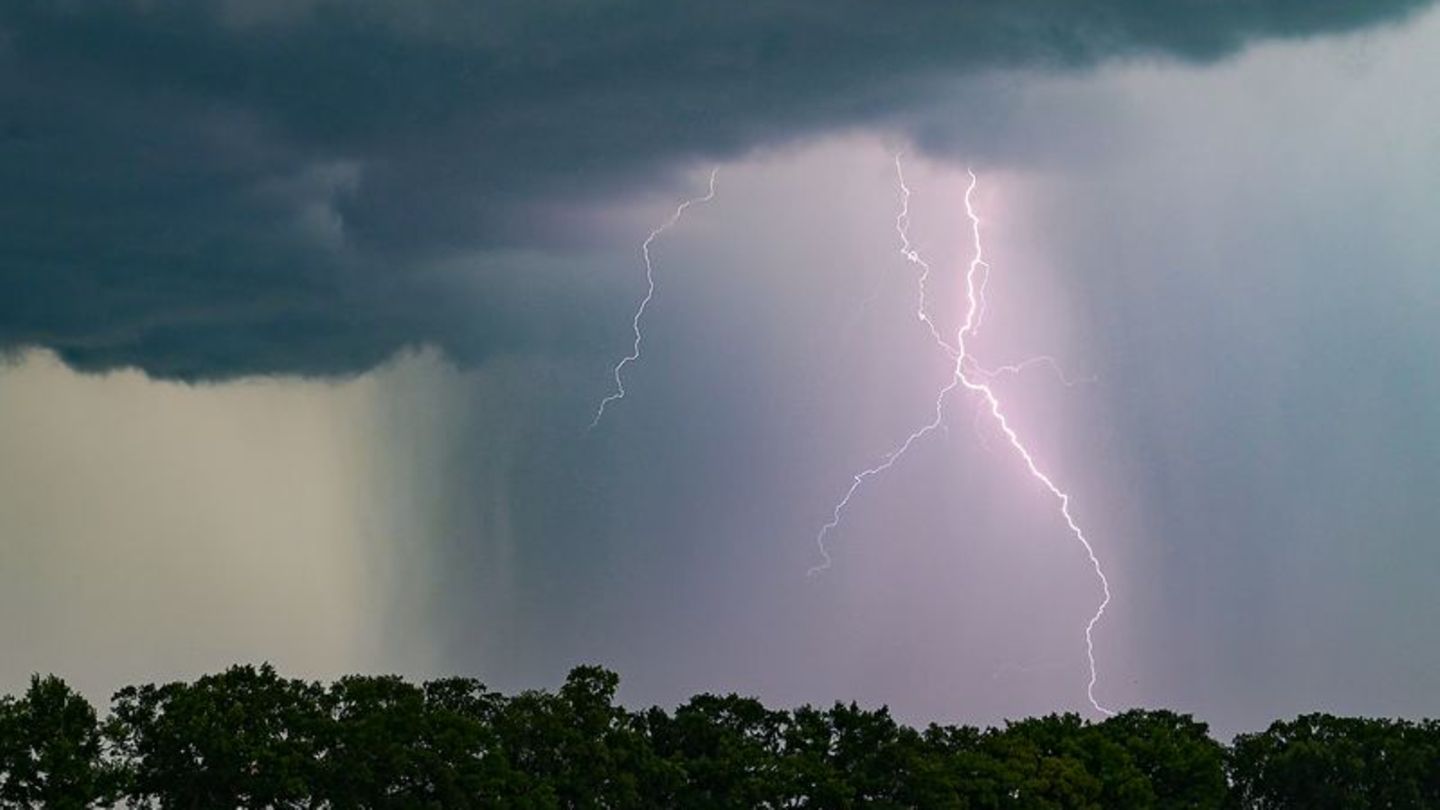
(1043, 764)
(243, 738)
(50, 749)
(389, 744)
(728, 750)
(1183, 766)
(251, 739)
(582, 750)
(1320, 761)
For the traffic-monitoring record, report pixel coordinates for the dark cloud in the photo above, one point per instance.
(211, 189)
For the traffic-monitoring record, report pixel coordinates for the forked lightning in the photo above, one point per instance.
(970, 375)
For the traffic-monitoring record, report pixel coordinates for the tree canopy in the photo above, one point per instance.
(250, 738)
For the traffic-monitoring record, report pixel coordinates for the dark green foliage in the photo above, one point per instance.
(250, 738)
(1174, 755)
(50, 749)
(726, 751)
(581, 750)
(243, 738)
(1319, 761)
(389, 744)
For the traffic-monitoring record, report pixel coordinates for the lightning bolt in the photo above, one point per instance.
(970, 375)
(619, 392)
(902, 229)
(1041, 360)
(974, 307)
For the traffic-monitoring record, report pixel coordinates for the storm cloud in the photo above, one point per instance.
(205, 190)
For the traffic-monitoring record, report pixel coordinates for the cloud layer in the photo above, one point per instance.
(204, 190)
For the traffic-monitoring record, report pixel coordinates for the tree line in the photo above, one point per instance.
(248, 737)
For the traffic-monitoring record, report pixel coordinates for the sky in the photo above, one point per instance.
(306, 309)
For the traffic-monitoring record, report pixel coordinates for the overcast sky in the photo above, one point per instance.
(308, 305)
